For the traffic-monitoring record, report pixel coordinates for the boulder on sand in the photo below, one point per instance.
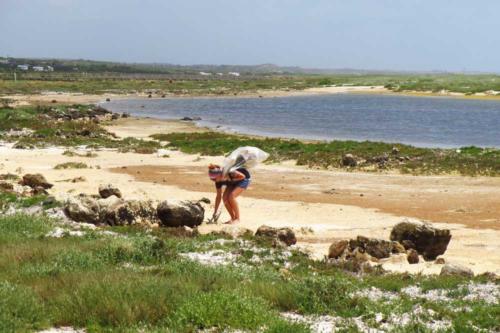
(429, 241)
(83, 208)
(454, 269)
(377, 248)
(184, 213)
(285, 235)
(130, 212)
(337, 248)
(35, 180)
(108, 190)
(412, 256)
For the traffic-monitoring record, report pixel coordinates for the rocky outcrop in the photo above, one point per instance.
(454, 269)
(185, 213)
(83, 208)
(428, 241)
(284, 235)
(130, 212)
(108, 190)
(35, 180)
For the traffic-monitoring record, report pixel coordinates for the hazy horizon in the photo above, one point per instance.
(386, 35)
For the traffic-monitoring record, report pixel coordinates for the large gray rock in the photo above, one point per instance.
(454, 269)
(108, 190)
(427, 240)
(185, 213)
(130, 212)
(285, 235)
(35, 180)
(83, 208)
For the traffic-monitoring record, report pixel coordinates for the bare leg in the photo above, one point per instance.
(227, 202)
(234, 204)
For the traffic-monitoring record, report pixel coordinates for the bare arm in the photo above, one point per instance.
(237, 176)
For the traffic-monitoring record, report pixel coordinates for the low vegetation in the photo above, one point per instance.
(134, 279)
(370, 155)
(38, 126)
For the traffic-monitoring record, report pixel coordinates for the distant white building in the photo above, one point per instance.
(38, 68)
(50, 69)
(23, 67)
(220, 74)
(234, 73)
(205, 73)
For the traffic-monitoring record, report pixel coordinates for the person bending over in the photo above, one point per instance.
(235, 183)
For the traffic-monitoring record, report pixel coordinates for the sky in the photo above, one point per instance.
(416, 35)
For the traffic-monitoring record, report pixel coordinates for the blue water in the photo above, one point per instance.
(420, 121)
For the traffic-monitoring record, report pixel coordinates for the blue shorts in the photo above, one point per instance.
(243, 184)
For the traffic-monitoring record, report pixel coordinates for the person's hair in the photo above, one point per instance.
(214, 171)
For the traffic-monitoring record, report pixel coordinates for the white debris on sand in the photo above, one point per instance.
(211, 258)
(488, 292)
(317, 324)
(433, 295)
(63, 330)
(60, 232)
(375, 294)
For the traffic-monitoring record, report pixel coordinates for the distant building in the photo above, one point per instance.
(23, 67)
(234, 73)
(4, 61)
(220, 74)
(38, 68)
(50, 69)
(205, 74)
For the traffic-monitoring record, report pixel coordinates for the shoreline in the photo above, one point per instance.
(81, 98)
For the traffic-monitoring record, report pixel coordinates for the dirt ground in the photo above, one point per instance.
(474, 202)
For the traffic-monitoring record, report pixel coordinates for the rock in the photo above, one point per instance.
(35, 180)
(39, 190)
(82, 208)
(397, 247)
(234, 231)
(440, 261)
(412, 256)
(125, 115)
(454, 269)
(183, 231)
(285, 235)
(108, 99)
(205, 200)
(349, 160)
(186, 213)
(337, 248)
(408, 244)
(115, 116)
(187, 119)
(395, 151)
(8, 187)
(78, 179)
(428, 241)
(109, 190)
(378, 248)
(129, 212)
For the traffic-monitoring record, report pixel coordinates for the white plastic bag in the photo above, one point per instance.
(244, 157)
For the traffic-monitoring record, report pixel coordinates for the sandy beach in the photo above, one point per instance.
(333, 204)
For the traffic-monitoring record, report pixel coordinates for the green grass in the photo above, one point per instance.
(32, 83)
(67, 133)
(71, 165)
(138, 282)
(467, 161)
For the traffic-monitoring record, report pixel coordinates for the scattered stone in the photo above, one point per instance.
(285, 235)
(205, 200)
(349, 160)
(78, 179)
(109, 190)
(428, 241)
(130, 212)
(186, 213)
(440, 261)
(337, 249)
(412, 256)
(395, 151)
(108, 99)
(455, 269)
(39, 190)
(35, 180)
